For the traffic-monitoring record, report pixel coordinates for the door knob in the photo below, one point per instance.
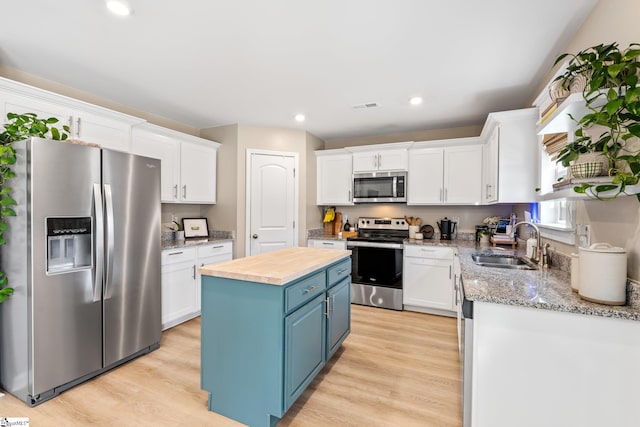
(255, 236)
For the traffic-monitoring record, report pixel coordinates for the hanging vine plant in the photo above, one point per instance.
(612, 97)
(18, 127)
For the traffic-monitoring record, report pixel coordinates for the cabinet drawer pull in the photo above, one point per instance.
(218, 247)
(344, 270)
(176, 253)
(194, 271)
(327, 243)
(310, 289)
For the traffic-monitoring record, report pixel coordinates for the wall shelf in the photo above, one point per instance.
(568, 193)
(561, 120)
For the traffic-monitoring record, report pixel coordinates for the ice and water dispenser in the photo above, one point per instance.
(68, 244)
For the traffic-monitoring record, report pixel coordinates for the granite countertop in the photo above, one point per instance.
(326, 237)
(175, 244)
(277, 267)
(548, 289)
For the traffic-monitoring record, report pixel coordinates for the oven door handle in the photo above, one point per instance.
(361, 244)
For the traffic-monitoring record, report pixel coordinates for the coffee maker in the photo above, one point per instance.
(447, 228)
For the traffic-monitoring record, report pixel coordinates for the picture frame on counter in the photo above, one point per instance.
(195, 227)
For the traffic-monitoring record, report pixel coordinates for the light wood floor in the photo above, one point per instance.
(395, 369)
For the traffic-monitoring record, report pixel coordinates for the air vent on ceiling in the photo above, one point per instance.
(367, 105)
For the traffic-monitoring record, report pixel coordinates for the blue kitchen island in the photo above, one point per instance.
(270, 322)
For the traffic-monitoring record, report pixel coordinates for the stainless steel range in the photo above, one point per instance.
(376, 258)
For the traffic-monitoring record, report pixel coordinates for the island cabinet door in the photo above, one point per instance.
(305, 337)
(338, 315)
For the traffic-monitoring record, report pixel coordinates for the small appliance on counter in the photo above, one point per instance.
(447, 228)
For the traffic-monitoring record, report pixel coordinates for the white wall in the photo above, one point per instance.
(230, 211)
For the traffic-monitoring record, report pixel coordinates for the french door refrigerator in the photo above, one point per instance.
(83, 254)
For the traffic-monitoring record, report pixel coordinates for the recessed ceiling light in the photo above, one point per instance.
(415, 100)
(119, 7)
(300, 118)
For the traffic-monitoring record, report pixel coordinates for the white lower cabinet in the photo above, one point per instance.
(181, 280)
(428, 279)
(327, 243)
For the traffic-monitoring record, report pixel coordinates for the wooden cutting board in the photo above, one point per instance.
(337, 223)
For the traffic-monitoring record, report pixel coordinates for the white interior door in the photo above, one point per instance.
(272, 201)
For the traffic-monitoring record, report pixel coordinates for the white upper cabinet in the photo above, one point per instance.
(463, 175)
(425, 177)
(197, 172)
(188, 163)
(511, 174)
(382, 157)
(150, 143)
(334, 177)
(86, 122)
(445, 172)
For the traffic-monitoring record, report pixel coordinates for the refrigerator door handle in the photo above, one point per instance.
(99, 243)
(108, 199)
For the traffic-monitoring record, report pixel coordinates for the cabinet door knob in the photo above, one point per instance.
(255, 236)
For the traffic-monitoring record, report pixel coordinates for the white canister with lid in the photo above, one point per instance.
(603, 274)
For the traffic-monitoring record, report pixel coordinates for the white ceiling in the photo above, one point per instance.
(208, 62)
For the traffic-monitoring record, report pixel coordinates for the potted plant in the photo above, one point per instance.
(19, 127)
(484, 235)
(610, 78)
(178, 231)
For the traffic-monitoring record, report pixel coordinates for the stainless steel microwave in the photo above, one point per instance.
(380, 187)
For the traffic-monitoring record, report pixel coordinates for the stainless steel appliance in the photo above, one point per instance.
(83, 254)
(380, 187)
(376, 262)
(465, 346)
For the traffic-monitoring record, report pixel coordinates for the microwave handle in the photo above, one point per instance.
(395, 186)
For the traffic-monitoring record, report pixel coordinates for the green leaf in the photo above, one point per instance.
(631, 54)
(615, 69)
(55, 134)
(7, 201)
(634, 129)
(613, 105)
(560, 58)
(7, 212)
(51, 120)
(632, 95)
(605, 187)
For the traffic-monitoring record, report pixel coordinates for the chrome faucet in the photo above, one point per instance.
(537, 253)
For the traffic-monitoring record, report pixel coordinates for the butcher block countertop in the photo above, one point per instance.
(277, 267)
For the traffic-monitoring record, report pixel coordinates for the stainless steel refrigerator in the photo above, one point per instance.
(83, 255)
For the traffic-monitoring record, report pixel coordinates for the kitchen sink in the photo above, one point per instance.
(504, 261)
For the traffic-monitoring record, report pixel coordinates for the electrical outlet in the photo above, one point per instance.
(455, 219)
(583, 232)
(174, 218)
